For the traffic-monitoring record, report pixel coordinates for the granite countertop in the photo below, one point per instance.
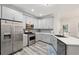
(68, 40)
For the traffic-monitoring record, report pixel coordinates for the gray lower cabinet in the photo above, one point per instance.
(43, 37)
(52, 50)
(61, 48)
(58, 47)
(53, 41)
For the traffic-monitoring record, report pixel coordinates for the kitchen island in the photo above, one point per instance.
(66, 45)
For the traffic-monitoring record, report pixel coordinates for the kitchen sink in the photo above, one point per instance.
(60, 36)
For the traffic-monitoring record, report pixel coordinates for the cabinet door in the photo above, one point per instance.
(52, 49)
(49, 23)
(46, 23)
(35, 22)
(46, 38)
(18, 16)
(7, 13)
(37, 37)
(53, 41)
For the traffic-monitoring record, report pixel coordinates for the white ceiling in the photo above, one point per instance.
(36, 9)
(46, 9)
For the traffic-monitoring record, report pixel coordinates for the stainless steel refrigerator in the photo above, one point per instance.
(11, 36)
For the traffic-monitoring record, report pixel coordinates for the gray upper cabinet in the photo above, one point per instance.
(18, 16)
(8, 13)
(46, 23)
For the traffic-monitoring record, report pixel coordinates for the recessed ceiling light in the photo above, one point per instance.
(32, 10)
(40, 14)
(45, 4)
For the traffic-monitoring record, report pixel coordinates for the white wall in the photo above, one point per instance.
(56, 25)
(63, 11)
(72, 19)
(24, 21)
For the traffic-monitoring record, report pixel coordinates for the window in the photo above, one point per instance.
(65, 28)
